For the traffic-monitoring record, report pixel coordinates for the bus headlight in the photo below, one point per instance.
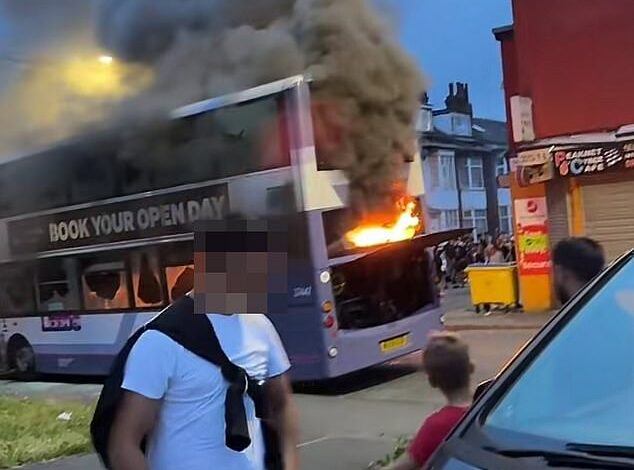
(324, 277)
(332, 352)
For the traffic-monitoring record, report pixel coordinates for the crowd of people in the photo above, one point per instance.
(455, 256)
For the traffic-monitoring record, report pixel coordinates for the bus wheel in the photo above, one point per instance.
(21, 358)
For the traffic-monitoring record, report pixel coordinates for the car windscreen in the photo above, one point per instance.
(580, 389)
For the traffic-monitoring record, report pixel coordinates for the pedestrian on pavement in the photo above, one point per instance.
(177, 399)
(576, 262)
(495, 255)
(448, 367)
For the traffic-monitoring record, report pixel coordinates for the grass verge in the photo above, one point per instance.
(30, 430)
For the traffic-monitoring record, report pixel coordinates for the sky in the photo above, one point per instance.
(450, 39)
(453, 42)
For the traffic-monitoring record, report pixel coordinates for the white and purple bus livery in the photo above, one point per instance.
(96, 238)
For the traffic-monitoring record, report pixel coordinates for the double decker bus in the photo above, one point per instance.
(96, 238)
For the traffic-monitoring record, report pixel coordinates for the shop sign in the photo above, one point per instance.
(527, 175)
(534, 157)
(533, 243)
(589, 160)
(522, 119)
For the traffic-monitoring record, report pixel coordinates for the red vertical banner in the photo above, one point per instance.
(533, 245)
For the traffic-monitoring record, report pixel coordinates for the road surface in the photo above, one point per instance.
(347, 424)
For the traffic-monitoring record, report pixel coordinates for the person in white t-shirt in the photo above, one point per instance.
(177, 399)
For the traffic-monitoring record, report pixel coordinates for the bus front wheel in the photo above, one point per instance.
(21, 358)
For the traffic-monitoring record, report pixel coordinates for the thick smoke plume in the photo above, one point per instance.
(51, 84)
(366, 89)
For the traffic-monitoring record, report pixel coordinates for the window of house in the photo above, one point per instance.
(477, 219)
(442, 170)
(53, 287)
(471, 173)
(435, 224)
(105, 284)
(146, 281)
(449, 219)
(501, 167)
(506, 219)
(178, 263)
(447, 172)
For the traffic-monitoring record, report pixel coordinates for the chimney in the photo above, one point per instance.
(459, 102)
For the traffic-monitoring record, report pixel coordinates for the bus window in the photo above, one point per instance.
(194, 148)
(105, 286)
(178, 262)
(53, 287)
(180, 280)
(145, 278)
(93, 173)
(16, 291)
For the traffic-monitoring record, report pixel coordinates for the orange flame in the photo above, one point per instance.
(404, 228)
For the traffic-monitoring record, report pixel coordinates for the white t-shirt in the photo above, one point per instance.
(190, 432)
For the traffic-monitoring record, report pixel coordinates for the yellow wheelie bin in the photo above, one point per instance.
(493, 284)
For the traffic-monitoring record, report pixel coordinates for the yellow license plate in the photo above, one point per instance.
(393, 344)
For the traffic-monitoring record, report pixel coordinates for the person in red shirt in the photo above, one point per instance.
(448, 367)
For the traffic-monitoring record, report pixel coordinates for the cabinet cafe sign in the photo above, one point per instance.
(589, 160)
(536, 166)
(165, 214)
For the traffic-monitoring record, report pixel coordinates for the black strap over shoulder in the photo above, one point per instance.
(195, 333)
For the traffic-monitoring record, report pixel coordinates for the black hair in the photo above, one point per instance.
(581, 255)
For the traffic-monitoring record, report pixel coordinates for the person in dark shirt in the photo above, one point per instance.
(448, 367)
(576, 262)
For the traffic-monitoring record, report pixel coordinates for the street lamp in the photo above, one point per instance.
(105, 59)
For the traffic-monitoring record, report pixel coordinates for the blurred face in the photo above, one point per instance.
(238, 282)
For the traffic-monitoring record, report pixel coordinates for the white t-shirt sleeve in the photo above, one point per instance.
(150, 365)
(278, 362)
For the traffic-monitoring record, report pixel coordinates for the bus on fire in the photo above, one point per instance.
(95, 239)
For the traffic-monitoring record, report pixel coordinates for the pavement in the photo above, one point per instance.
(460, 315)
(347, 424)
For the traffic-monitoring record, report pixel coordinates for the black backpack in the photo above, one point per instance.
(196, 334)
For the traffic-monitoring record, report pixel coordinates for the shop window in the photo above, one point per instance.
(16, 290)
(53, 287)
(145, 278)
(105, 286)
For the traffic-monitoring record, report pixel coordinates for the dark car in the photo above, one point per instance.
(567, 399)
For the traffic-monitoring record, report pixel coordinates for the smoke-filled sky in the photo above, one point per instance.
(451, 39)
